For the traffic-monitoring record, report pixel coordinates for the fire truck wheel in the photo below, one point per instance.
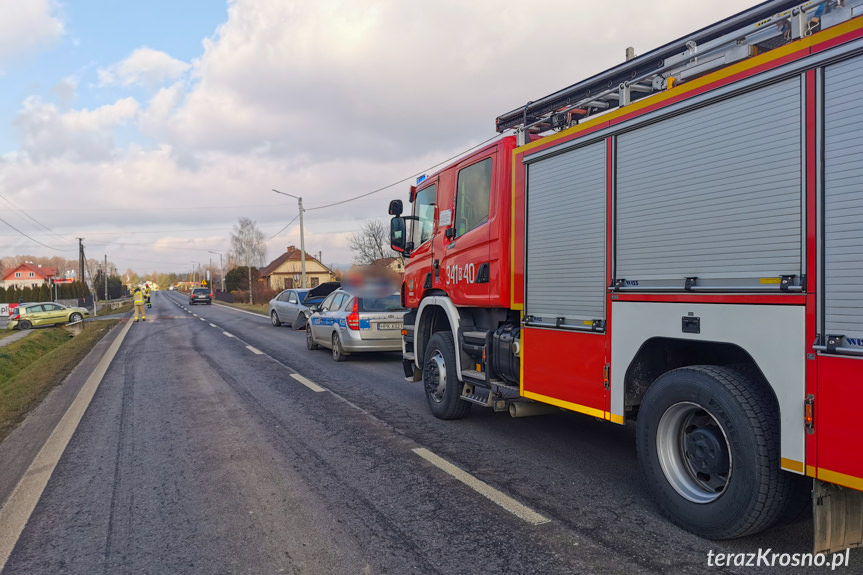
(440, 379)
(708, 444)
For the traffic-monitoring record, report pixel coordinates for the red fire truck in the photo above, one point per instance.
(679, 241)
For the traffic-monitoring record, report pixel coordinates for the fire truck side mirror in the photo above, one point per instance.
(398, 233)
(396, 208)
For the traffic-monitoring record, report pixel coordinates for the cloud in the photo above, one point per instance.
(66, 90)
(47, 132)
(26, 25)
(144, 67)
(322, 99)
(388, 79)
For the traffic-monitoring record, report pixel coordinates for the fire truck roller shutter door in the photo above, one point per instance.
(566, 255)
(713, 193)
(843, 201)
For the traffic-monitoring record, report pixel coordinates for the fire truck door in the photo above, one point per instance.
(465, 259)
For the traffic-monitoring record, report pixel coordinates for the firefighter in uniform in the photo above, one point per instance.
(147, 295)
(138, 299)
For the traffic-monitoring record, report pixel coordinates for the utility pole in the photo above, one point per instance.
(106, 277)
(221, 268)
(81, 260)
(302, 234)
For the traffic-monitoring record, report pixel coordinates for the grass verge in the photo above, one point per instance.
(263, 309)
(31, 367)
(124, 308)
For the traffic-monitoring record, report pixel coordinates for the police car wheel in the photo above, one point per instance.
(310, 340)
(338, 353)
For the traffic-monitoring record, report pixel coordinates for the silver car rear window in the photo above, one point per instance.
(389, 303)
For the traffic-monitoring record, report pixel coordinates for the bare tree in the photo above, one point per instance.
(248, 247)
(372, 243)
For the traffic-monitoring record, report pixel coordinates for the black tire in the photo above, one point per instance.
(310, 343)
(24, 324)
(442, 388)
(338, 353)
(798, 503)
(708, 445)
(75, 317)
(274, 317)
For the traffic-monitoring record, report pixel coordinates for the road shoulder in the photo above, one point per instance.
(19, 449)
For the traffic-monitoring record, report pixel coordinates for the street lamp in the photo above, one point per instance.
(302, 236)
(221, 269)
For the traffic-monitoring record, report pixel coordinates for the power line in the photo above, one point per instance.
(11, 203)
(403, 180)
(284, 228)
(30, 238)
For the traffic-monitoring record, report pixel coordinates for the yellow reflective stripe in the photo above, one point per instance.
(840, 479)
(568, 405)
(791, 465)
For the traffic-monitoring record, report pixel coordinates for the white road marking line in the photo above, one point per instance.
(227, 334)
(16, 512)
(213, 325)
(202, 319)
(519, 510)
(308, 383)
(254, 350)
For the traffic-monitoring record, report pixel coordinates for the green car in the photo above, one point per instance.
(28, 315)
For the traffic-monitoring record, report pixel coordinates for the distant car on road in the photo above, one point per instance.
(314, 296)
(288, 307)
(200, 295)
(29, 315)
(347, 322)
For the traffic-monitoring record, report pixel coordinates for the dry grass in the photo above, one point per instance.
(263, 309)
(31, 367)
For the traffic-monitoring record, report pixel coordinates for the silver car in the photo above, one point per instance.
(288, 307)
(347, 323)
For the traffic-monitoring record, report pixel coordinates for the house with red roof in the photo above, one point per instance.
(286, 271)
(29, 275)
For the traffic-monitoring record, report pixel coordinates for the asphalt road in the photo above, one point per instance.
(202, 453)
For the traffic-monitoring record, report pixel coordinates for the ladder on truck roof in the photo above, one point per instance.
(761, 28)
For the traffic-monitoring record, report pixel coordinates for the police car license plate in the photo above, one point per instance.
(389, 325)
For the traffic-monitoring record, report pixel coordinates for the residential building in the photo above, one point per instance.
(28, 275)
(286, 271)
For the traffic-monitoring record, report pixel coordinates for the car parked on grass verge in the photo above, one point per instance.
(200, 295)
(348, 322)
(29, 315)
(314, 296)
(287, 306)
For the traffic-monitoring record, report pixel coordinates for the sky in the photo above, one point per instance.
(150, 128)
